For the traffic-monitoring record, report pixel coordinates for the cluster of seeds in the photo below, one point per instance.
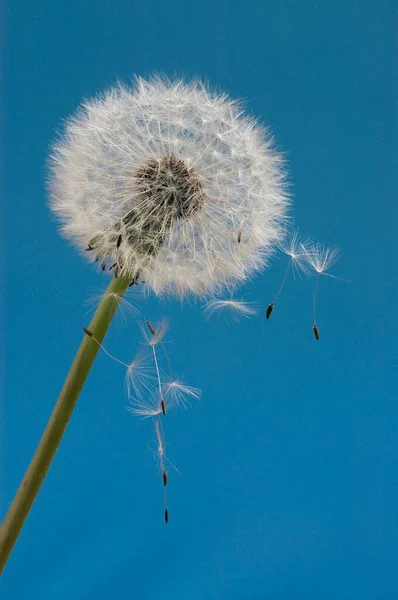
(152, 394)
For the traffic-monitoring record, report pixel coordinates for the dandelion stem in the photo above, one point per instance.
(59, 419)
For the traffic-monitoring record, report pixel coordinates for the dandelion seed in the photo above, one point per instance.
(165, 478)
(163, 167)
(157, 334)
(293, 246)
(236, 308)
(87, 332)
(239, 236)
(166, 515)
(321, 259)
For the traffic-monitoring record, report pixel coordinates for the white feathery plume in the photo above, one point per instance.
(296, 248)
(320, 258)
(169, 183)
(177, 393)
(140, 375)
(237, 308)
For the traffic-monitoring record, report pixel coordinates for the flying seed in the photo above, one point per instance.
(103, 265)
(316, 332)
(163, 406)
(165, 478)
(151, 329)
(89, 248)
(269, 310)
(112, 266)
(88, 332)
(239, 236)
(166, 515)
(119, 241)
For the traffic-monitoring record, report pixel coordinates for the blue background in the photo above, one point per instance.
(288, 485)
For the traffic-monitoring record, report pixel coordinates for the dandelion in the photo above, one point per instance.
(294, 247)
(159, 179)
(237, 308)
(154, 183)
(320, 259)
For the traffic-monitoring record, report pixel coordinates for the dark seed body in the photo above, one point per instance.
(166, 515)
(88, 332)
(269, 310)
(165, 478)
(316, 332)
(151, 329)
(162, 404)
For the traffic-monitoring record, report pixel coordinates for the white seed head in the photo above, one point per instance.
(169, 183)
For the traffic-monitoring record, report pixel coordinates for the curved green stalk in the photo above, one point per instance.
(51, 438)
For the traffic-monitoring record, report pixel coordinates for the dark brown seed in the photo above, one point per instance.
(103, 266)
(89, 248)
(151, 329)
(239, 237)
(162, 404)
(119, 241)
(112, 266)
(165, 478)
(166, 515)
(269, 310)
(316, 332)
(88, 332)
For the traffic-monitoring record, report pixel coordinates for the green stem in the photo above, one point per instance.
(51, 438)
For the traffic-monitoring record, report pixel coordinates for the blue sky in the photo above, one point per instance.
(288, 485)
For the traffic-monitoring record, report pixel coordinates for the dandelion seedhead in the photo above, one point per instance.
(168, 183)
